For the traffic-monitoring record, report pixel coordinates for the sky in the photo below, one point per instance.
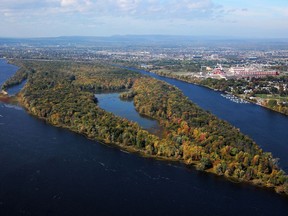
(229, 18)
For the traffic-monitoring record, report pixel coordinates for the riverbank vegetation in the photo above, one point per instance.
(62, 93)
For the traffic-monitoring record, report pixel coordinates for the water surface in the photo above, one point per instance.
(111, 102)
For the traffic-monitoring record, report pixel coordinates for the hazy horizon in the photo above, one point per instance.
(216, 37)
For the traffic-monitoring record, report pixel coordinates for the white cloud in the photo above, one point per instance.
(65, 3)
(140, 9)
(143, 14)
(127, 5)
(204, 4)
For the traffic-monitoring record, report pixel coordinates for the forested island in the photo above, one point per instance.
(62, 93)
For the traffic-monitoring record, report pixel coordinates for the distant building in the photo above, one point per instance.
(146, 66)
(237, 70)
(218, 70)
(250, 72)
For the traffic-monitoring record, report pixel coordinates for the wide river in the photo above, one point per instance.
(51, 171)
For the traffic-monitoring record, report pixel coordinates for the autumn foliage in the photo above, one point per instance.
(63, 95)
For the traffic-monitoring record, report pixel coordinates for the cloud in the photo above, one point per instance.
(76, 4)
(196, 5)
(159, 9)
(140, 9)
(136, 9)
(144, 15)
(127, 5)
(65, 3)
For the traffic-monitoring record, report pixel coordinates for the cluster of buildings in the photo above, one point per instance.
(251, 72)
(240, 72)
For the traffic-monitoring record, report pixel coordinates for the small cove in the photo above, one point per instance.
(111, 102)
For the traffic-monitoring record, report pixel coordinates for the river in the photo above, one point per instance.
(52, 171)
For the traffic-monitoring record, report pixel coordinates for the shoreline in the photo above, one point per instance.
(192, 165)
(6, 98)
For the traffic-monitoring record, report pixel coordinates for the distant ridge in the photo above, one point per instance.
(138, 40)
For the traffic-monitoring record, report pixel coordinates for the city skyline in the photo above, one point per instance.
(52, 18)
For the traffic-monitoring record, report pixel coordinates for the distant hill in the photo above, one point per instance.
(138, 40)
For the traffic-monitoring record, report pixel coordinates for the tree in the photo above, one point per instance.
(205, 163)
(272, 103)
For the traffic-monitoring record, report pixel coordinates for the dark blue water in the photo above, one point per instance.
(6, 70)
(51, 171)
(112, 103)
(267, 128)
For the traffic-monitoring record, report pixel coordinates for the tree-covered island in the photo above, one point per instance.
(62, 93)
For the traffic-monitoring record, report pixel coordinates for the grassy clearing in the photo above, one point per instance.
(270, 96)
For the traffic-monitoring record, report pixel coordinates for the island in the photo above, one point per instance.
(62, 94)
